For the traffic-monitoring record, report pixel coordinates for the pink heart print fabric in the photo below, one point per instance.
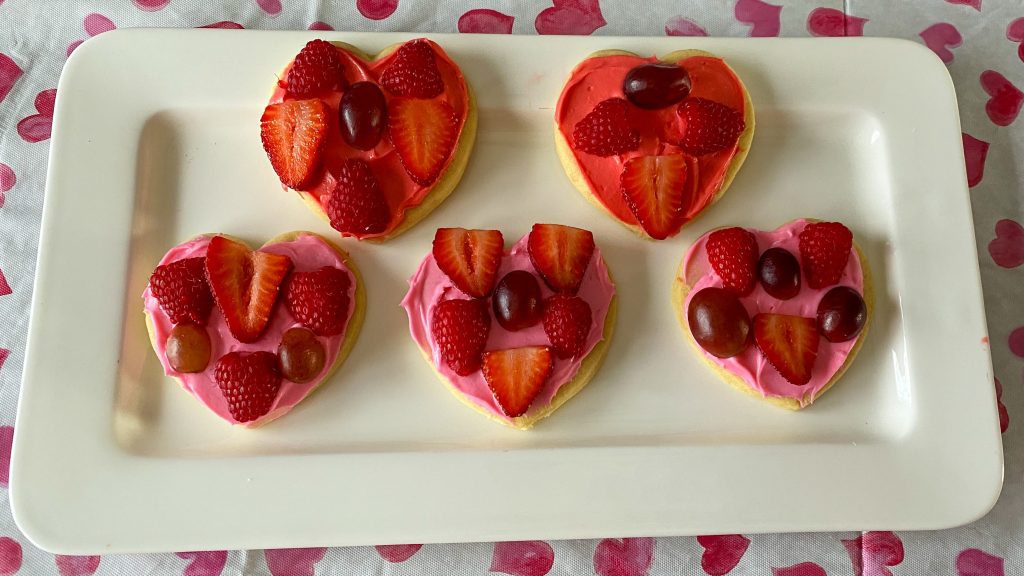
(980, 41)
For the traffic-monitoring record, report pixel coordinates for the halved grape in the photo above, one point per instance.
(188, 348)
(719, 322)
(517, 301)
(779, 273)
(656, 85)
(362, 115)
(301, 355)
(841, 314)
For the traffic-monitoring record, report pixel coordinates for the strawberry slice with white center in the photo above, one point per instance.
(245, 285)
(659, 191)
(293, 134)
(424, 134)
(561, 255)
(516, 376)
(470, 258)
(789, 343)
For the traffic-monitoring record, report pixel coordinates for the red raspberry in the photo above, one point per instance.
(249, 381)
(319, 299)
(413, 72)
(567, 321)
(606, 131)
(460, 329)
(357, 205)
(316, 69)
(733, 254)
(182, 291)
(708, 126)
(824, 251)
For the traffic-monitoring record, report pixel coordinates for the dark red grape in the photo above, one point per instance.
(362, 115)
(188, 348)
(656, 85)
(719, 322)
(841, 314)
(779, 272)
(516, 301)
(301, 355)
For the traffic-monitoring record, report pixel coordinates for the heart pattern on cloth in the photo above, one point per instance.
(10, 72)
(77, 565)
(224, 25)
(527, 558)
(722, 553)
(293, 561)
(5, 288)
(36, 128)
(7, 181)
(320, 26)
(1004, 416)
(873, 552)
(94, 25)
(376, 9)
(1016, 341)
(626, 557)
(6, 440)
(1006, 99)
(765, 19)
(940, 37)
(396, 553)
(578, 17)
(1007, 248)
(151, 5)
(485, 21)
(1015, 33)
(802, 569)
(271, 7)
(974, 562)
(832, 22)
(10, 556)
(680, 26)
(975, 152)
(976, 4)
(204, 563)
(4, 353)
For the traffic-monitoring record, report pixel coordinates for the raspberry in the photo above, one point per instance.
(733, 254)
(708, 126)
(606, 131)
(357, 205)
(249, 381)
(460, 329)
(824, 251)
(316, 69)
(567, 322)
(413, 72)
(182, 291)
(319, 299)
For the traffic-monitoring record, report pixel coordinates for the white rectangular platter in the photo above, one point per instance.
(156, 139)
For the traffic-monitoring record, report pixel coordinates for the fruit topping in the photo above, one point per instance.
(293, 134)
(708, 126)
(824, 251)
(301, 355)
(319, 299)
(606, 130)
(841, 314)
(424, 134)
(516, 375)
(413, 72)
(656, 85)
(732, 253)
(469, 258)
(779, 273)
(362, 115)
(460, 329)
(567, 321)
(719, 322)
(249, 381)
(316, 69)
(789, 343)
(188, 348)
(657, 189)
(245, 285)
(182, 291)
(561, 254)
(517, 301)
(357, 205)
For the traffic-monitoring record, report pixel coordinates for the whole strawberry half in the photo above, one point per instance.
(249, 382)
(515, 376)
(357, 205)
(293, 134)
(561, 254)
(315, 70)
(245, 285)
(413, 72)
(424, 133)
(319, 299)
(658, 191)
(606, 130)
(824, 252)
(789, 343)
(733, 255)
(567, 322)
(182, 291)
(460, 329)
(708, 126)
(470, 258)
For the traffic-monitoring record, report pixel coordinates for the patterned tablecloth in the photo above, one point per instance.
(980, 41)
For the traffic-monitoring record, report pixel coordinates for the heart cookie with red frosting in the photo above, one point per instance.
(653, 142)
(778, 314)
(251, 333)
(513, 334)
(372, 144)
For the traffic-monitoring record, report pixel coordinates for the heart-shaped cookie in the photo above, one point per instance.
(778, 314)
(372, 144)
(248, 333)
(653, 142)
(513, 334)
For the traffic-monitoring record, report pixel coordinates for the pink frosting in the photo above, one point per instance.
(750, 365)
(429, 286)
(308, 252)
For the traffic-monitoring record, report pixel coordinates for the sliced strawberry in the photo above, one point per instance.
(658, 191)
(316, 69)
(319, 299)
(413, 72)
(469, 258)
(708, 126)
(567, 321)
(293, 134)
(182, 291)
(357, 205)
(424, 133)
(249, 382)
(460, 329)
(790, 343)
(824, 252)
(606, 130)
(733, 255)
(245, 285)
(561, 255)
(516, 375)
